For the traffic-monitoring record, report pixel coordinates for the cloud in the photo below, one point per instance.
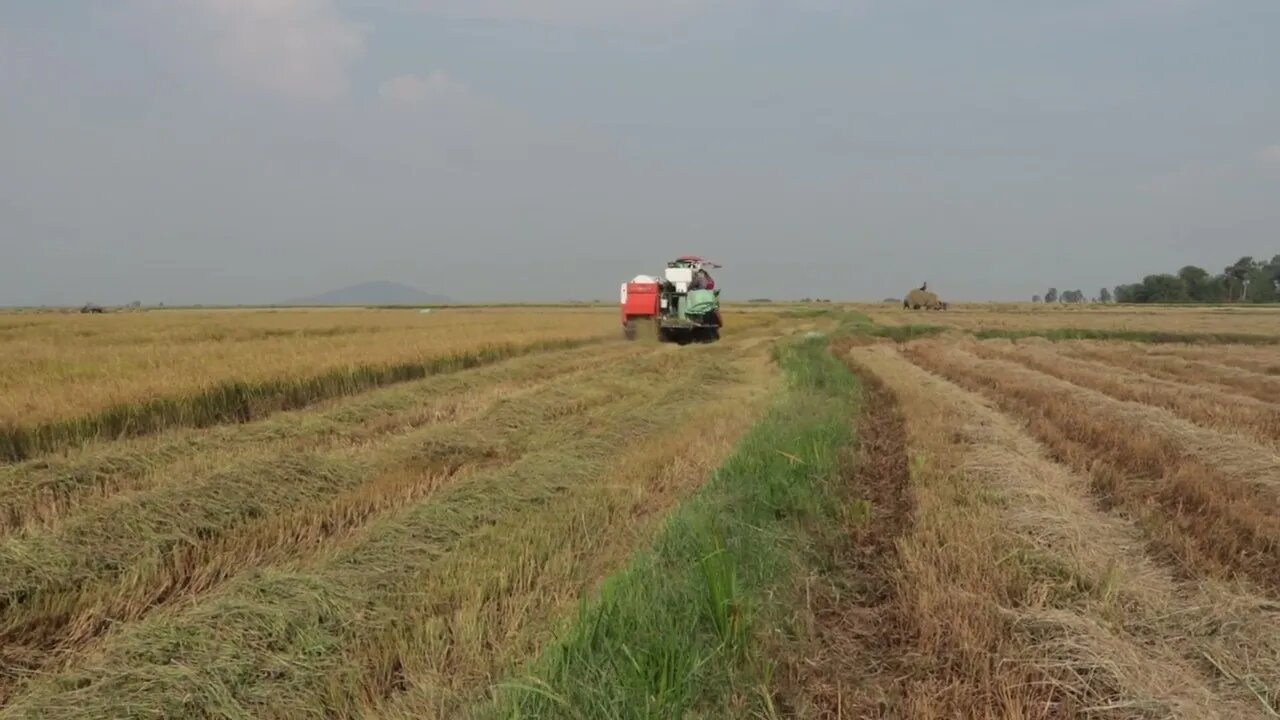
(576, 13)
(1269, 157)
(302, 49)
(417, 90)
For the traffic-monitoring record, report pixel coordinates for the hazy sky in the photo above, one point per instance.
(252, 150)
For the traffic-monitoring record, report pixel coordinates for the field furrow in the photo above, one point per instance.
(853, 601)
(38, 493)
(1032, 576)
(1194, 506)
(1261, 361)
(364, 623)
(1206, 406)
(1244, 461)
(1174, 367)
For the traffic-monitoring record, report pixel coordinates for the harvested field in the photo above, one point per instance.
(1037, 600)
(817, 517)
(424, 537)
(1261, 323)
(1093, 527)
(1181, 364)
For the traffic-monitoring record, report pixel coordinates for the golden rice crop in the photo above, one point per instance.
(63, 366)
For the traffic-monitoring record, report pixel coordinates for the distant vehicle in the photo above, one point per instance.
(683, 304)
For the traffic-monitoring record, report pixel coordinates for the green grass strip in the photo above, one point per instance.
(1141, 336)
(687, 626)
(904, 333)
(238, 402)
(857, 324)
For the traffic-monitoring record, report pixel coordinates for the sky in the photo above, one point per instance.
(249, 151)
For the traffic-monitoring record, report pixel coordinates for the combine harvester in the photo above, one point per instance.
(683, 305)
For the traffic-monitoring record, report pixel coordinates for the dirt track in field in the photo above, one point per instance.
(853, 605)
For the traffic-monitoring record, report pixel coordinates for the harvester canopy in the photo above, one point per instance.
(693, 261)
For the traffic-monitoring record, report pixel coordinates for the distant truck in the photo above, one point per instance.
(921, 298)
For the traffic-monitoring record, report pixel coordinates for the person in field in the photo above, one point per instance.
(702, 280)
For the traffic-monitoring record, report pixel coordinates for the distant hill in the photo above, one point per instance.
(373, 293)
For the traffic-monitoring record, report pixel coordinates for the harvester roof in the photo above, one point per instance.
(693, 261)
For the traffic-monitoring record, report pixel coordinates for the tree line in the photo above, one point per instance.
(1069, 296)
(1246, 280)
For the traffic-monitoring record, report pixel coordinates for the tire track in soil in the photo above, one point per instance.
(853, 604)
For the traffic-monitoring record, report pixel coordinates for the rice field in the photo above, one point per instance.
(60, 368)
(834, 512)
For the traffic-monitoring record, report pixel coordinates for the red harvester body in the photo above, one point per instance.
(639, 300)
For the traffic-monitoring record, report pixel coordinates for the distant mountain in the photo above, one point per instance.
(373, 293)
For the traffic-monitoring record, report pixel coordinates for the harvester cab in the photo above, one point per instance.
(683, 305)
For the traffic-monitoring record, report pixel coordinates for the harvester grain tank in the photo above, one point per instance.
(683, 304)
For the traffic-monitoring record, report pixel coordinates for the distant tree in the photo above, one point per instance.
(1051, 296)
(1273, 271)
(1237, 275)
(1262, 282)
(1104, 295)
(1198, 283)
(1035, 298)
(1163, 289)
(1245, 280)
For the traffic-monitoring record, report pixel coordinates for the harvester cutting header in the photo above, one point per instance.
(683, 304)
